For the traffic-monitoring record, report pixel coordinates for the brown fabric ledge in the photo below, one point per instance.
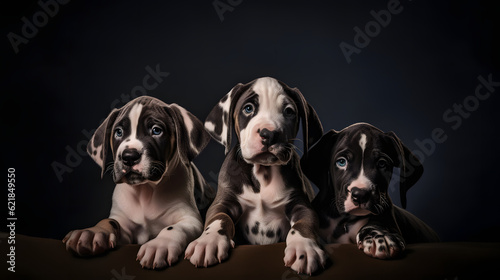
(41, 258)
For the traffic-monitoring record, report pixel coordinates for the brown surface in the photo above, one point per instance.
(40, 258)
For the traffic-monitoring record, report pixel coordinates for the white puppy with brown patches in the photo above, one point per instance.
(148, 146)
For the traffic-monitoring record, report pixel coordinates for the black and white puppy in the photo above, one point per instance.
(148, 147)
(262, 196)
(353, 168)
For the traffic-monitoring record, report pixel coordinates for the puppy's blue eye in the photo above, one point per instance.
(341, 162)
(118, 133)
(248, 108)
(156, 130)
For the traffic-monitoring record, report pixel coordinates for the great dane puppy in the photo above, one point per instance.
(148, 147)
(353, 168)
(261, 187)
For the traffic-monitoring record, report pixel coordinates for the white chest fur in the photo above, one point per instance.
(143, 211)
(264, 220)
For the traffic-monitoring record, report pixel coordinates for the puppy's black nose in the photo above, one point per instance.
(131, 157)
(268, 137)
(360, 196)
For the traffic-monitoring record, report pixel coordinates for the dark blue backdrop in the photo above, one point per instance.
(412, 67)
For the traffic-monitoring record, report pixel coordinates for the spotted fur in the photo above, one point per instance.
(353, 168)
(148, 147)
(262, 194)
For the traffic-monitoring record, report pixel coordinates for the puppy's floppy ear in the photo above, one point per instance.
(411, 168)
(99, 145)
(316, 164)
(219, 123)
(190, 134)
(312, 129)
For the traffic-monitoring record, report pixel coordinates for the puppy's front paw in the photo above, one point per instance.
(156, 253)
(303, 254)
(210, 248)
(89, 242)
(379, 243)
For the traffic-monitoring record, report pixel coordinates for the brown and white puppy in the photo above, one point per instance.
(262, 195)
(148, 147)
(353, 168)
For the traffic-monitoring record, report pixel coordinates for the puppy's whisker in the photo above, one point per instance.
(378, 208)
(110, 167)
(297, 139)
(332, 203)
(158, 166)
(297, 148)
(384, 203)
(158, 163)
(338, 202)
